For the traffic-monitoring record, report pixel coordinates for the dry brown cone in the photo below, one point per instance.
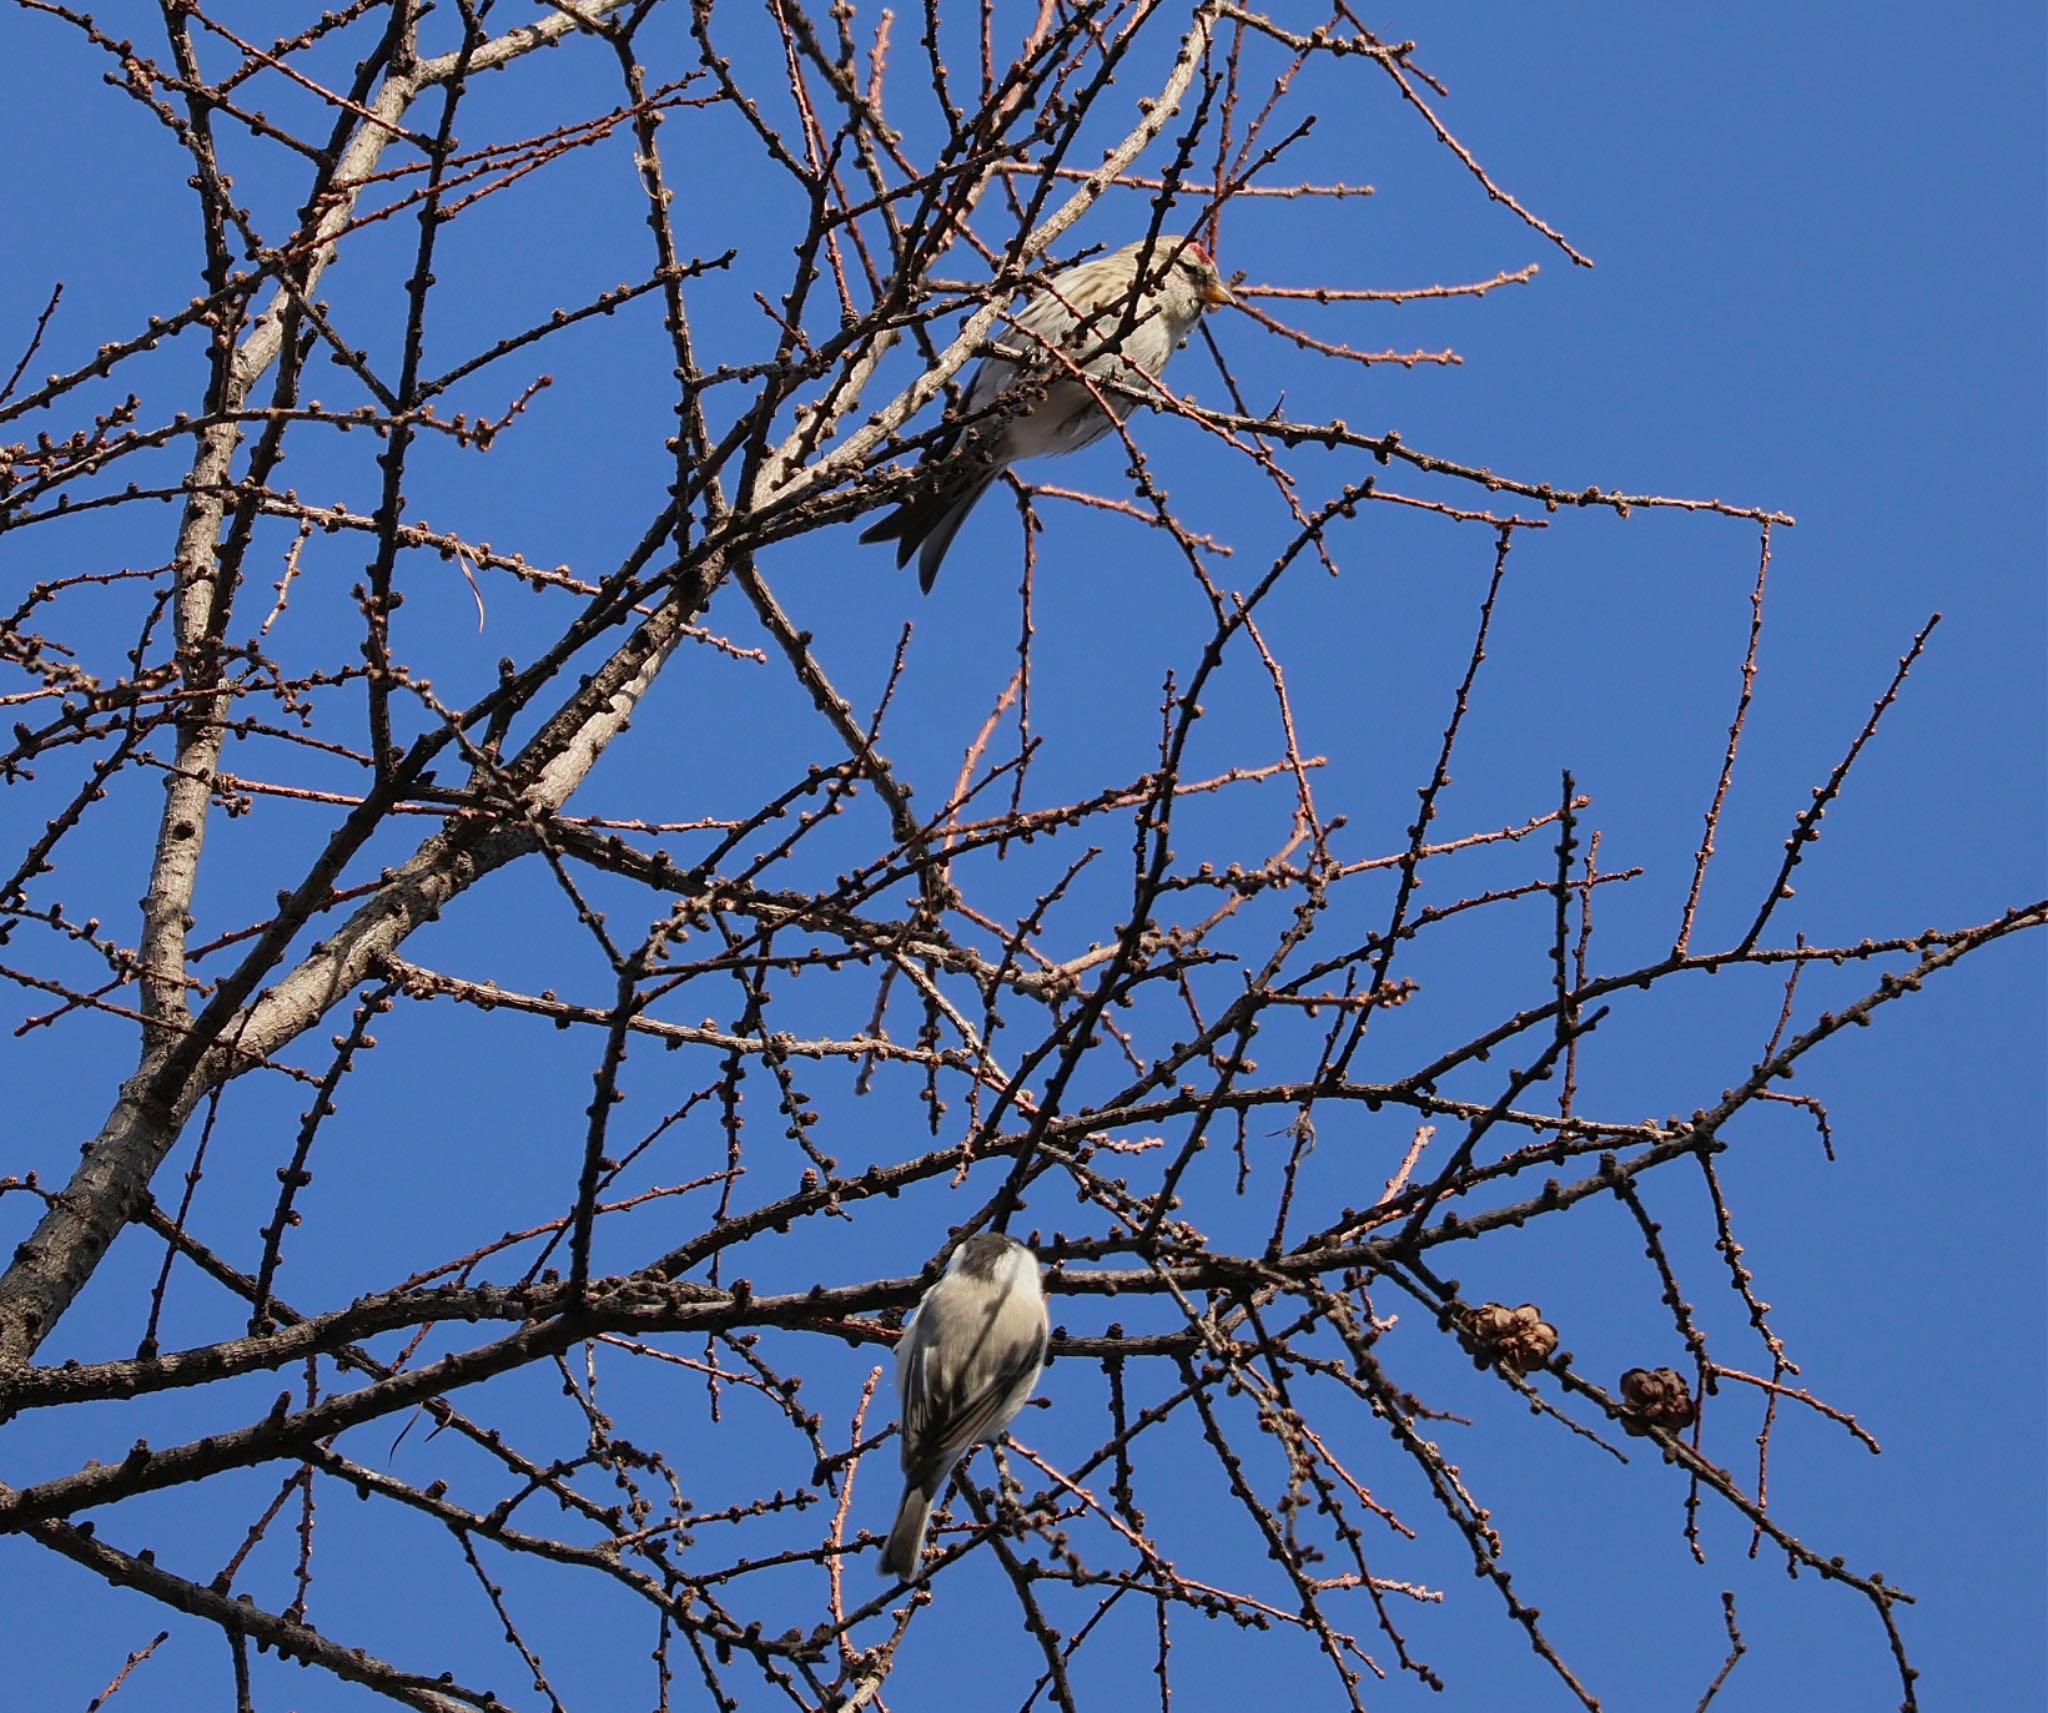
(1656, 1397)
(1517, 1338)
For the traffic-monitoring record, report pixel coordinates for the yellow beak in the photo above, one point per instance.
(1217, 296)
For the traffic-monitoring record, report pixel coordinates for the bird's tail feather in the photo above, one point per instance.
(940, 536)
(906, 1540)
(929, 520)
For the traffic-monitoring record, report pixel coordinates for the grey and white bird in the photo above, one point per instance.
(968, 1359)
(1119, 318)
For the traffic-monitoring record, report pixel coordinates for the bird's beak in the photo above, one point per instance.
(1217, 296)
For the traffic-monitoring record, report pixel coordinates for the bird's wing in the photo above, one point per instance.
(983, 1413)
(1047, 319)
(912, 1394)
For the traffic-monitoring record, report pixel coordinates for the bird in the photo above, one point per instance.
(968, 1359)
(1097, 317)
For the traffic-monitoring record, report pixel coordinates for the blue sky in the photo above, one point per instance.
(1819, 237)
